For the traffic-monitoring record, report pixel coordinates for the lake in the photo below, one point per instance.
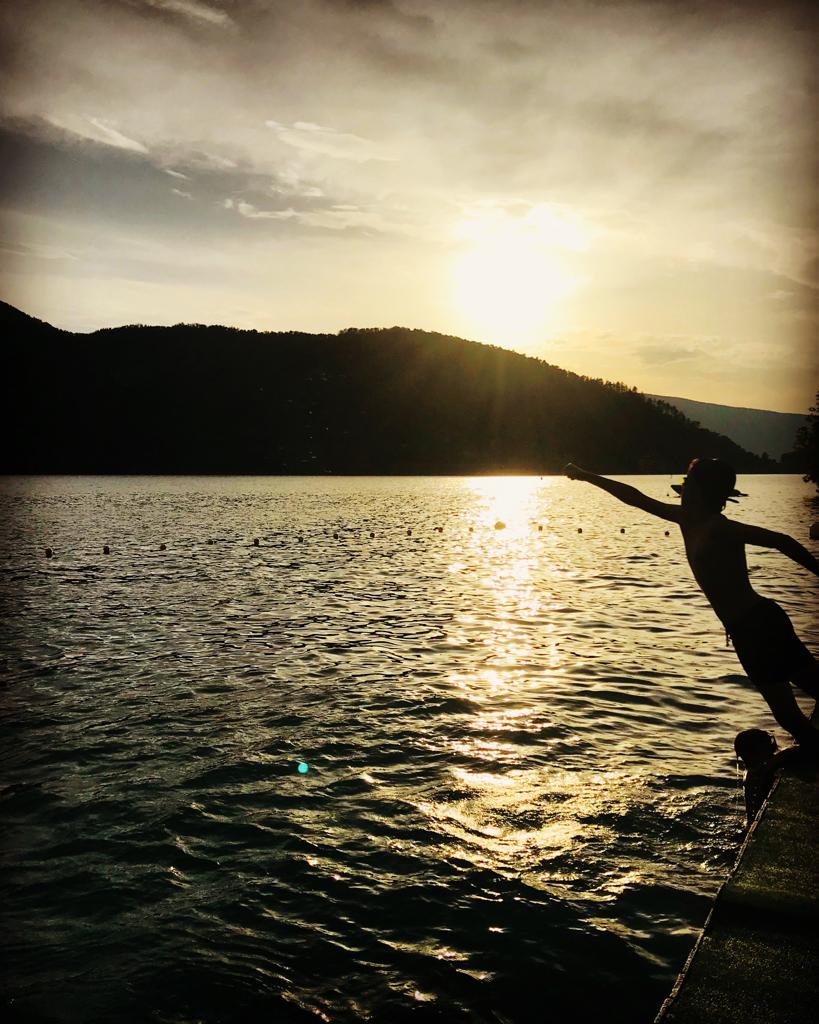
(396, 762)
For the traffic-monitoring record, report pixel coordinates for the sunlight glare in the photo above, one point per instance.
(514, 270)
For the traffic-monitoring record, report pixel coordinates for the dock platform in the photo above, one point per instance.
(757, 958)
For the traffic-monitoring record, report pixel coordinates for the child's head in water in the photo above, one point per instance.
(754, 747)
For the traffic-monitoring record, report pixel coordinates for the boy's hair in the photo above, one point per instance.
(754, 745)
(715, 479)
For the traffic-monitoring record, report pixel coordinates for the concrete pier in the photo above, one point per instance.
(757, 958)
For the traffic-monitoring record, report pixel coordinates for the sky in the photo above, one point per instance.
(626, 190)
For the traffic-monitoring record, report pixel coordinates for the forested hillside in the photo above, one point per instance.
(198, 399)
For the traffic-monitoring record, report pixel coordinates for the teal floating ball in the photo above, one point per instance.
(304, 767)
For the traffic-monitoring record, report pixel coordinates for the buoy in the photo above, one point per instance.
(813, 533)
(500, 525)
(210, 540)
(335, 536)
(49, 552)
(162, 547)
(471, 529)
(580, 529)
(666, 533)
(304, 767)
(622, 530)
(301, 539)
(372, 535)
(106, 550)
(255, 542)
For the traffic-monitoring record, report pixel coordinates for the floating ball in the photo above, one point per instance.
(500, 525)
(622, 530)
(372, 535)
(540, 529)
(580, 529)
(303, 768)
(666, 533)
(162, 547)
(301, 539)
(210, 541)
(471, 529)
(335, 536)
(409, 533)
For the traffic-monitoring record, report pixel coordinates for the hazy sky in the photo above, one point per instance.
(625, 189)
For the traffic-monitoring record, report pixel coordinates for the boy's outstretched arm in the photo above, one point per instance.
(626, 493)
(781, 541)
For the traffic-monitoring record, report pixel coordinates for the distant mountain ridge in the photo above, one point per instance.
(198, 399)
(758, 430)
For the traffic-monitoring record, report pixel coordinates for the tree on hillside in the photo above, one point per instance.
(807, 444)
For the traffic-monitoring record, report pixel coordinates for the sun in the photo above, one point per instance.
(512, 272)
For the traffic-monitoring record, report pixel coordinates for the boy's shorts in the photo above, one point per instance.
(767, 646)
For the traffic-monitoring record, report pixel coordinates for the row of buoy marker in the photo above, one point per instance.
(499, 525)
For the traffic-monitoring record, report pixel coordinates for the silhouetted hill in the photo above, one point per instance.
(758, 430)
(13, 319)
(197, 399)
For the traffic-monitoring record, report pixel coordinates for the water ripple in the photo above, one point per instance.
(518, 748)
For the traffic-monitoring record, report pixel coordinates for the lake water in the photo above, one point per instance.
(520, 792)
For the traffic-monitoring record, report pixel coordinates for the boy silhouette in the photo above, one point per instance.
(763, 637)
(762, 759)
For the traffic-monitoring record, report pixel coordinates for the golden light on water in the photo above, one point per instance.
(511, 500)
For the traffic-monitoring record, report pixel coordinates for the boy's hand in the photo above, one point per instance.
(574, 472)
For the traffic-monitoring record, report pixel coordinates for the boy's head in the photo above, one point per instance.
(713, 480)
(754, 746)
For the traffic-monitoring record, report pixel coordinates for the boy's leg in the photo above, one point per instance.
(786, 711)
(806, 677)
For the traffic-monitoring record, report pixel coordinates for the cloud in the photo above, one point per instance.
(248, 210)
(97, 130)
(665, 352)
(289, 181)
(316, 138)
(193, 9)
(338, 217)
